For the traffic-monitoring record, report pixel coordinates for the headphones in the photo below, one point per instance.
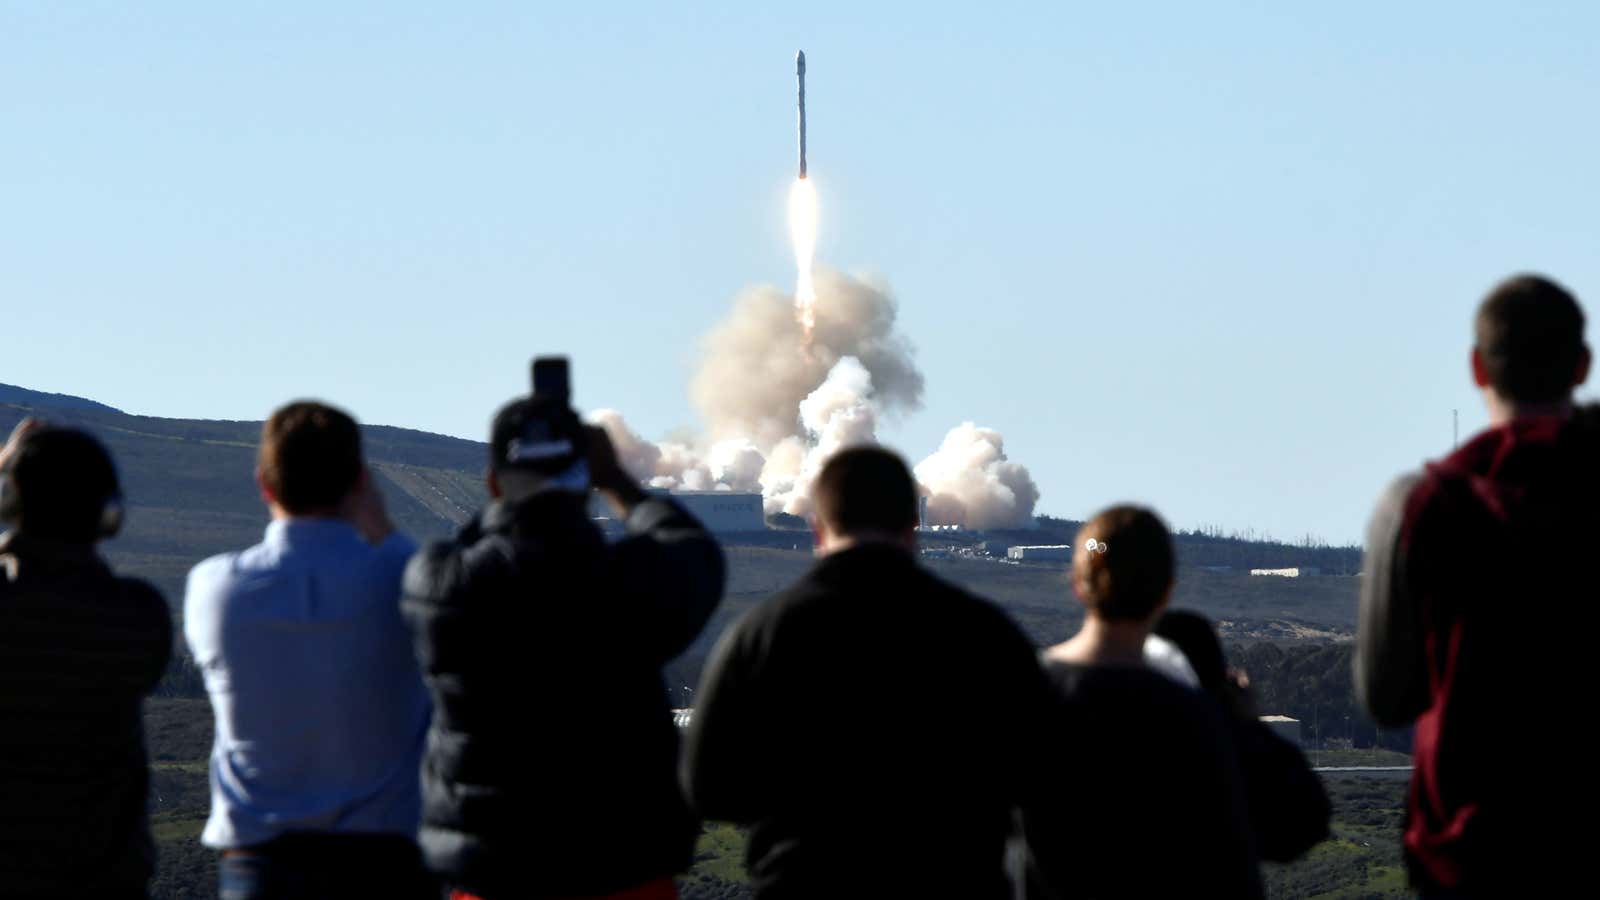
(112, 510)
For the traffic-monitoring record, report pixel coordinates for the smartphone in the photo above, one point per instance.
(552, 380)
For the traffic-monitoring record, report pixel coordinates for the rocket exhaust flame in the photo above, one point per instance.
(803, 233)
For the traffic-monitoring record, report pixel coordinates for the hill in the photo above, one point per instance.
(21, 396)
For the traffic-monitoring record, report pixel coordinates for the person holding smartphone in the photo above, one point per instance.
(551, 766)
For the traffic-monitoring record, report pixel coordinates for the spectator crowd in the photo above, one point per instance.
(370, 696)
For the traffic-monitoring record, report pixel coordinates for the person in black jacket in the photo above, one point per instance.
(872, 723)
(79, 650)
(552, 757)
(1289, 809)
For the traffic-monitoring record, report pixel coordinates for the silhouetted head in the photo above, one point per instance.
(1122, 564)
(1529, 345)
(61, 485)
(864, 493)
(310, 458)
(1194, 635)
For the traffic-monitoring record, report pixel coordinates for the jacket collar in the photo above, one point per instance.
(874, 555)
(536, 510)
(309, 530)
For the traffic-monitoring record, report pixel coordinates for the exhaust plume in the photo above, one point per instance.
(775, 408)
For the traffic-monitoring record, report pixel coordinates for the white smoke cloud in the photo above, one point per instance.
(775, 409)
(755, 367)
(970, 482)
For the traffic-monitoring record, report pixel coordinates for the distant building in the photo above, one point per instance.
(725, 512)
(1040, 553)
(1295, 572)
(1284, 727)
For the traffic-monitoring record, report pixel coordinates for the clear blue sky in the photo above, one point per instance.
(1217, 257)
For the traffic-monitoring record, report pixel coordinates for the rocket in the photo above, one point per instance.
(800, 76)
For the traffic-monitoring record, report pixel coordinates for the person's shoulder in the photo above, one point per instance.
(1405, 501)
(985, 616)
(143, 600)
(445, 566)
(802, 598)
(215, 573)
(138, 590)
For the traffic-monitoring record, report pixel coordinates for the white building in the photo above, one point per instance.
(1040, 553)
(1295, 572)
(1284, 727)
(725, 512)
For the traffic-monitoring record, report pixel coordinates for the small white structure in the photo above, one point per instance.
(1284, 727)
(1040, 553)
(1295, 572)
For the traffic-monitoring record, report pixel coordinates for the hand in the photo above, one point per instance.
(1241, 701)
(27, 426)
(363, 508)
(607, 474)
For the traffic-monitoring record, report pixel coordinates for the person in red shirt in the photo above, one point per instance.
(1476, 568)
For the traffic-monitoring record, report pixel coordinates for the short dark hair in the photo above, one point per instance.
(1128, 575)
(60, 482)
(864, 489)
(310, 456)
(1530, 338)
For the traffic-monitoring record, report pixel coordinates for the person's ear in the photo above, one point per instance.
(267, 496)
(1480, 372)
(492, 483)
(819, 536)
(1079, 576)
(1585, 359)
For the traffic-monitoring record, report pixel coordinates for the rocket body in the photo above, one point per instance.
(800, 76)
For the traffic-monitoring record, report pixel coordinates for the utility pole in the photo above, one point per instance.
(1316, 733)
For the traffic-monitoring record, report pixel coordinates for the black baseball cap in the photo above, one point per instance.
(535, 436)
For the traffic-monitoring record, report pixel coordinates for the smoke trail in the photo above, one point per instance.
(775, 408)
(752, 375)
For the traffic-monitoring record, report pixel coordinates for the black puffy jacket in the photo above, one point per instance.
(551, 762)
(79, 650)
